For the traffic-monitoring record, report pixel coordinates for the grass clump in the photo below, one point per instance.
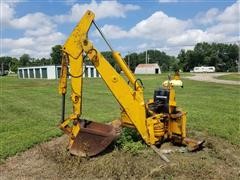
(130, 141)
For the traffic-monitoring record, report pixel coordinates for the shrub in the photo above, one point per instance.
(130, 141)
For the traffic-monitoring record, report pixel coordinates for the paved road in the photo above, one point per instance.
(211, 77)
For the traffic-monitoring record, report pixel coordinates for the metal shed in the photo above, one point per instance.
(148, 69)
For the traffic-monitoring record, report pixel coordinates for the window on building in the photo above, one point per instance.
(37, 72)
(25, 73)
(92, 72)
(20, 73)
(86, 72)
(31, 74)
(44, 72)
(97, 73)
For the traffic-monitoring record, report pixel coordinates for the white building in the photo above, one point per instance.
(148, 69)
(51, 72)
(204, 69)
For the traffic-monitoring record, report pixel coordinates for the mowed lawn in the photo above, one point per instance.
(31, 109)
(233, 77)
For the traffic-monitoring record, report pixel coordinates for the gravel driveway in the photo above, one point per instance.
(211, 77)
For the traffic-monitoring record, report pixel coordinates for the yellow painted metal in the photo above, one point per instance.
(73, 44)
(172, 100)
(125, 120)
(76, 71)
(184, 124)
(75, 131)
(177, 76)
(126, 70)
(62, 88)
(155, 127)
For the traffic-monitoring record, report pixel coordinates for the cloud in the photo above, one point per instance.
(32, 21)
(102, 10)
(113, 32)
(193, 36)
(40, 33)
(224, 28)
(208, 17)
(230, 14)
(158, 26)
(158, 31)
(161, 31)
(35, 46)
(44, 30)
(7, 13)
(227, 22)
(220, 27)
(17, 43)
(40, 30)
(214, 16)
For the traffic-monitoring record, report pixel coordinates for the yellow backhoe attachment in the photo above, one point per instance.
(156, 120)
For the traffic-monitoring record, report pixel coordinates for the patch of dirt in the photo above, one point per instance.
(218, 160)
(211, 77)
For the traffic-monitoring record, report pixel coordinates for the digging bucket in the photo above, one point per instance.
(92, 139)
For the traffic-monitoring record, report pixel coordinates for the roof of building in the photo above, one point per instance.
(154, 65)
(45, 66)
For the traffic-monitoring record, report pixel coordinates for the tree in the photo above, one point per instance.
(222, 56)
(164, 67)
(155, 56)
(108, 56)
(175, 67)
(45, 61)
(56, 55)
(132, 59)
(14, 64)
(24, 60)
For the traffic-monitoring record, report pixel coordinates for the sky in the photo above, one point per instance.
(34, 27)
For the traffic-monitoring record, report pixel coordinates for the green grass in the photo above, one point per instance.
(233, 77)
(30, 109)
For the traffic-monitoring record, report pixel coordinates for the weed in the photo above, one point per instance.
(130, 141)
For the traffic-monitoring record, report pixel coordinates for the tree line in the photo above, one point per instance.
(224, 57)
